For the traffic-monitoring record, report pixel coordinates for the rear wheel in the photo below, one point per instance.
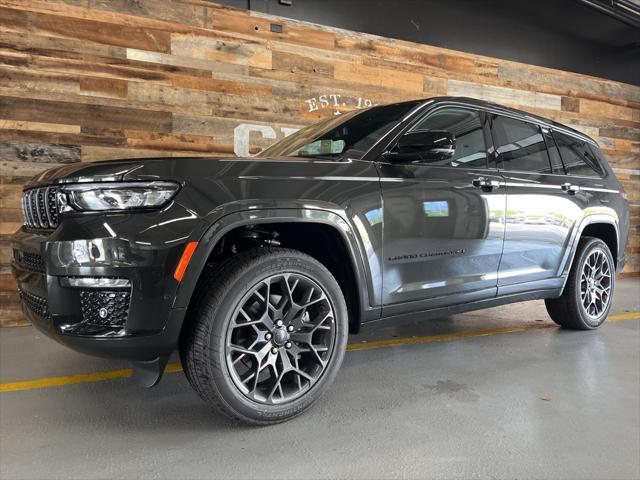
(588, 294)
(267, 336)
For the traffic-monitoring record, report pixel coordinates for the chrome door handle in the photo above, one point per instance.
(485, 184)
(570, 189)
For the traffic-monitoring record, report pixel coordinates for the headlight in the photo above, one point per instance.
(119, 196)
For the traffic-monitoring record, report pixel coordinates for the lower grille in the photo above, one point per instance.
(30, 261)
(36, 304)
(109, 308)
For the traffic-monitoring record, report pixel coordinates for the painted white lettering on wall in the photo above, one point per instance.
(336, 102)
(242, 136)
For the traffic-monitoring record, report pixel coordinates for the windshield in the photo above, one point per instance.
(349, 135)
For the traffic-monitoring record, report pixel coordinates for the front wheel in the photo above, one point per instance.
(267, 335)
(588, 294)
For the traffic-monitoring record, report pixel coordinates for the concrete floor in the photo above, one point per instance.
(543, 403)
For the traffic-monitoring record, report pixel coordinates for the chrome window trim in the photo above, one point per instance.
(524, 117)
(542, 124)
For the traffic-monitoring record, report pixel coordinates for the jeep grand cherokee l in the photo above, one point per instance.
(256, 269)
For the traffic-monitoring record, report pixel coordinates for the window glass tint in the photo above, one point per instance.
(601, 161)
(554, 154)
(576, 155)
(520, 145)
(466, 128)
(346, 136)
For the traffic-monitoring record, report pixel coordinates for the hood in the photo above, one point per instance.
(111, 170)
(160, 168)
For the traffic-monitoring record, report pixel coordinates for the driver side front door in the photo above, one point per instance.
(443, 219)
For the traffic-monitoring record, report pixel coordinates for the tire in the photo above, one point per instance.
(570, 309)
(229, 336)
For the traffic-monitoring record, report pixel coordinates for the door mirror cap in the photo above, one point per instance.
(421, 145)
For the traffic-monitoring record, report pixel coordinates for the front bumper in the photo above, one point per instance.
(140, 321)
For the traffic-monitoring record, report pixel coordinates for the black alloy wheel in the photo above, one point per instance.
(266, 335)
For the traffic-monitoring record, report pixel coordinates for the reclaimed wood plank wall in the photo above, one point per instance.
(88, 80)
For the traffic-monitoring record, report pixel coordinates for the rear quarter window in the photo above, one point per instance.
(577, 156)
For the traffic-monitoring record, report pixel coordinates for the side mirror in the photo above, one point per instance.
(423, 145)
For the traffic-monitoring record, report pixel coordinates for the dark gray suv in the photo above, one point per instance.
(256, 269)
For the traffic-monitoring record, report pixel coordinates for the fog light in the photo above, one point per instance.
(94, 282)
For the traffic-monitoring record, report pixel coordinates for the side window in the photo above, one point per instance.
(520, 145)
(577, 157)
(465, 126)
(601, 161)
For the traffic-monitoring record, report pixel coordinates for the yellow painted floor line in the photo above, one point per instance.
(623, 316)
(393, 342)
(49, 382)
(68, 380)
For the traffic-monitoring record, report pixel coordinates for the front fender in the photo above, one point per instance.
(222, 222)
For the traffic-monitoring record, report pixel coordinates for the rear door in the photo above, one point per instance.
(542, 210)
(443, 220)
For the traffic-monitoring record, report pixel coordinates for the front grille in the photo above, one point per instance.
(40, 207)
(30, 261)
(108, 308)
(36, 304)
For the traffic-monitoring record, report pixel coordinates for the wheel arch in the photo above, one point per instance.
(605, 232)
(355, 281)
(604, 226)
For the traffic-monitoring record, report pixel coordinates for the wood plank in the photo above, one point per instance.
(179, 12)
(10, 196)
(584, 85)
(222, 86)
(162, 59)
(259, 26)
(617, 132)
(292, 63)
(91, 153)
(504, 95)
(254, 54)
(104, 86)
(435, 85)
(67, 9)
(379, 77)
(21, 172)
(570, 104)
(605, 110)
(12, 77)
(8, 283)
(38, 126)
(101, 32)
(377, 49)
(111, 138)
(13, 20)
(10, 312)
(29, 42)
(38, 152)
(178, 143)
(86, 114)
(6, 254)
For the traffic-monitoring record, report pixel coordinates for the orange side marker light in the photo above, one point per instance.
(184, 260)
